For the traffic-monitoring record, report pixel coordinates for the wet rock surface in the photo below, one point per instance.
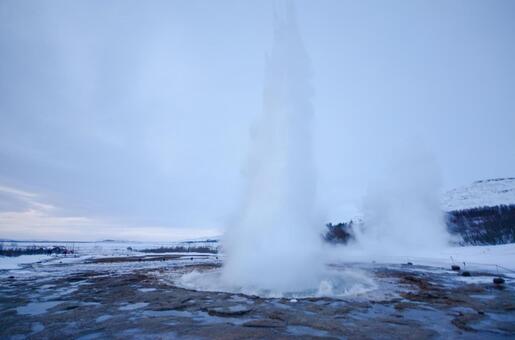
(100, 301)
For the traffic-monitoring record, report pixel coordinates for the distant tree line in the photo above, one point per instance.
(485, 225)
(180, 249)
(33, 250)
(204, 241)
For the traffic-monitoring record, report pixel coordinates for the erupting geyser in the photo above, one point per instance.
(274, 248)
(275, 244)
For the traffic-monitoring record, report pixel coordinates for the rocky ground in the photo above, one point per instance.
(130, 297)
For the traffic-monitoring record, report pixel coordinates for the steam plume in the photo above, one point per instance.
(402, 213)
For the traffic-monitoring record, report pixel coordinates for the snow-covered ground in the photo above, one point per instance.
(15, 262)
(485, 193)
(502, 255)
(495, 258)
(89, 250)
(109, 248)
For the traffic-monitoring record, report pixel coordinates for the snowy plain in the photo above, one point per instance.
(89, 250)
(493, 258)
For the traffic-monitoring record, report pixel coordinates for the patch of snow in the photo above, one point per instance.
(107, 249)
(15, 262)
(475, 279)
(493, 258)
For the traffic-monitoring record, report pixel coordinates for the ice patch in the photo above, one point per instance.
(146, 290)
(309, 331)
(15, 262)
(103, 318)
(133, 306)
(91, 336)
(36, 308)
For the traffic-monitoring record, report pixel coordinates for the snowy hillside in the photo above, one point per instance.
(485, 193)
(484, 212)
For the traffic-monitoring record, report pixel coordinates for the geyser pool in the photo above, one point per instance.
(275, 247)
(337, 283)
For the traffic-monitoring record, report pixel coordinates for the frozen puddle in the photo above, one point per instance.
(37, 327)
(303, 331)
(198, 316)
(146, 290)
(133, 306)
(103, 318)
(36, 308)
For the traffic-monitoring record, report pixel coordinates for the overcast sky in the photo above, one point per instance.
(131, 119)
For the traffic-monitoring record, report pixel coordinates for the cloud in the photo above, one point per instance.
(25, 216)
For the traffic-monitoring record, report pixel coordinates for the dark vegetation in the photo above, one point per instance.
(339, 233)
(205, 241)
(485, 225)
(476, 226)
(34, 250)
(180, 249)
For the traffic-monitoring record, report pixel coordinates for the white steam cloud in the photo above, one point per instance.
(402, 211)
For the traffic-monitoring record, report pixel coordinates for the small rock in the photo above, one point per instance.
(498, 280)
(455, 267)
(409, 263)
(465, 273)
